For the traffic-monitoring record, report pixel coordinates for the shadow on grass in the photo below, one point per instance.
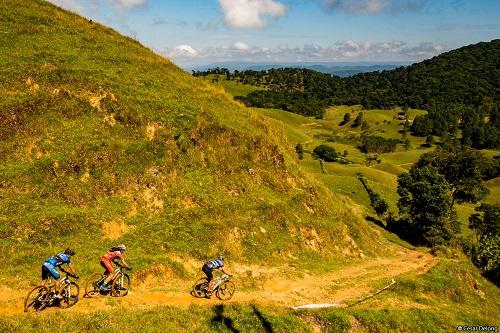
(376, 221)
(268, 328)
(220, 318)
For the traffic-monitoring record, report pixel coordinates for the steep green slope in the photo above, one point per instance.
(102, 141)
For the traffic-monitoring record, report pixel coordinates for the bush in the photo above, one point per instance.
(326, 153)
(378, 144)
(300, 151)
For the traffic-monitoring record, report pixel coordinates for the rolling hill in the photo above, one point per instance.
(103, 142)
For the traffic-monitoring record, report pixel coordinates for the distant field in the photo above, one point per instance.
(234, 88)
(382, 176)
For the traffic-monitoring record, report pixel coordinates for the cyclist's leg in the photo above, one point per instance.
(109, 271)
(208, 272)
(103, 265)
(52, 271)
(45, 275)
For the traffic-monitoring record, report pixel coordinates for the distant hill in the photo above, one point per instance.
(454, 86)
(463, 76)
(342, 69)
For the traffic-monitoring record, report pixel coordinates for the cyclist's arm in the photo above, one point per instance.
(225, 270)
(123, 262)
(72, 268)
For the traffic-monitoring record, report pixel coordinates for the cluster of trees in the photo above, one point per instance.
(326, 153)
(480, 125)
(377, 144)
(486, 252)
(458, 88)
(378, 204)
(295, 102)
(464, 76)
(430, 190)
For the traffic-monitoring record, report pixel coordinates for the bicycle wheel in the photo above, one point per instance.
(70, 294)
(225, 291)
(199, 288)
(121, 285)
(37, 299)
(92, 285)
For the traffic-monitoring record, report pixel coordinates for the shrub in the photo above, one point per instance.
(326, 153)
(300, 151)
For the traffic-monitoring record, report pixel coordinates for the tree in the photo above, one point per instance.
(407, 143)
(326, 153)
(378, 204)
(424, 205)
(486, 253)
(300, 151)
(347, 117)
(429, 141)
(462, 168)
(358, 121)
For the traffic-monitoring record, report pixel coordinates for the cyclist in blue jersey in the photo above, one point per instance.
(209, 267)
(50, 265)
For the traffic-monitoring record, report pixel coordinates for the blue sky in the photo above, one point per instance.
(194, 32)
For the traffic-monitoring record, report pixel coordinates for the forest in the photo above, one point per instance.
(457, 88)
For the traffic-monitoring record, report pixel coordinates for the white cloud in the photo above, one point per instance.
(369, 7)
(240, 46)
(346, 50)
(71, 5)
(251, 13)
(127, 3)
(182, 51)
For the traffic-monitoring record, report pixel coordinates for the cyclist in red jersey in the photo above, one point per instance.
(115, 253)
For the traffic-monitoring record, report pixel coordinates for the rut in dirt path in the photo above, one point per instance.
(339, 286)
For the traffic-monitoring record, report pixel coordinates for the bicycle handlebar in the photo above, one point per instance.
(75, 276)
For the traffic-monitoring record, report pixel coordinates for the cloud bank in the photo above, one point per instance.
(371, 7)
(251, 13)
(127, 3)
(345, 50)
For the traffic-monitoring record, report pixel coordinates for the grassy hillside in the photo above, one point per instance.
(103, 142)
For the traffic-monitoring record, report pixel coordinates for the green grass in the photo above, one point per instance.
(234, 88)
(97, 130)
(219, 318)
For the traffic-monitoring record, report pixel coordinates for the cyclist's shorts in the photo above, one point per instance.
(106, 264)
(208, 272)
(49, 270)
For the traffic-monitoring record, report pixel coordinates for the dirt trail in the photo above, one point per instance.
(342, 285)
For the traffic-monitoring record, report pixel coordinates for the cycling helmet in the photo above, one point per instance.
(69, 251)
(122, 247)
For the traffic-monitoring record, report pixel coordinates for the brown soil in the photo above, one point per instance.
(271, 287)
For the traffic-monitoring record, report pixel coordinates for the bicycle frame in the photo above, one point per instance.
(220, 279)
(51, 283)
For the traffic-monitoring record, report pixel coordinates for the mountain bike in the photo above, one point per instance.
(120, 284)
(224, 288)
(43, 296)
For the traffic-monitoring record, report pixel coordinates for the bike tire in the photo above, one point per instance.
(91, 287)
(121, 285)
(70, 293)
(37, 299)
(199, 288)
(225, 291)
